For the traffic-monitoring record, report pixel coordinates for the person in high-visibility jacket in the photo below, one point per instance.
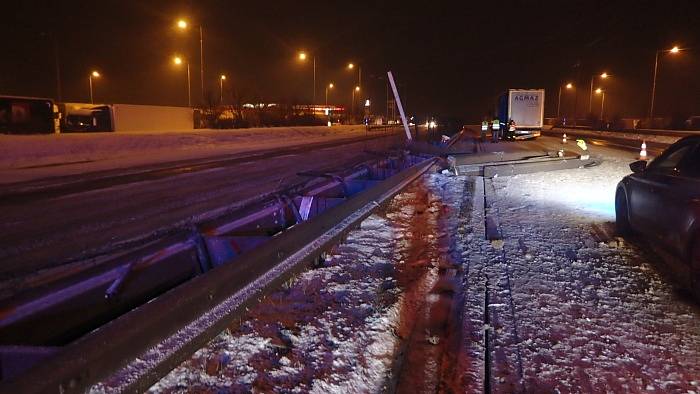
(495, 130)
(484, 129)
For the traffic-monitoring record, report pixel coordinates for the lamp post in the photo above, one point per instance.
(222, 78)
(359, 73)
(330, 86)
(183, 25)
(674, 50)
(92, 75)
(357, 89)
(602, 101)
(178, 61)
(568, 86)
(590, 97)
(302, 57)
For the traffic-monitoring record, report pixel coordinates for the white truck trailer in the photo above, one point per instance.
(525, 107)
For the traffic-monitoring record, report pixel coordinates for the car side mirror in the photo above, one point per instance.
(638, 166)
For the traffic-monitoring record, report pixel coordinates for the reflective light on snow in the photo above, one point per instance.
(603, 207)
(579, 190)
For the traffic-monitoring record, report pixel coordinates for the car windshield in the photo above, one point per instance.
(690, 166)
(669, 161)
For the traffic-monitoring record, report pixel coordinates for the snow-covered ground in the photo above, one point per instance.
(331, 330)
(568, 311)
(24, 157)
(627, 135)
(585, 315)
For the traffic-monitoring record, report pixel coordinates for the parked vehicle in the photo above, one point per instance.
(526, 108)
(662, 201)
(28, 115)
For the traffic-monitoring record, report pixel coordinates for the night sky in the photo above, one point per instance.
(451, 58)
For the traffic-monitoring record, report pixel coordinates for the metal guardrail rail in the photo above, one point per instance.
(161, 303)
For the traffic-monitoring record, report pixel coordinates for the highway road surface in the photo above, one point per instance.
(73, 219)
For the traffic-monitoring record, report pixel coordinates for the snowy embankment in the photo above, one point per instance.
(24, 157)
(331, 330)
(342, 326)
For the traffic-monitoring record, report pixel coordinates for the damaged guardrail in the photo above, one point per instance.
(76, 333)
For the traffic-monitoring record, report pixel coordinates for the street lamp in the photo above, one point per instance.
(673, 50)
(92, 75)
(568, 86)
(359, 73)
(183, 25)
(302, 57)
(357, 89)
(178, 61)
(330, 86)
(590, 98)
(602, 101)
(221, 82)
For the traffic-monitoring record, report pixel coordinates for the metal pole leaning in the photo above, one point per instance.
(409, 137)
(559, 101)
(653, 88)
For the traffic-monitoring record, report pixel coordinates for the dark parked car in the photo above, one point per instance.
(662, 201)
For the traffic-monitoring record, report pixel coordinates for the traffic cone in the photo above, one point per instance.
(643, 152)
(563, 139)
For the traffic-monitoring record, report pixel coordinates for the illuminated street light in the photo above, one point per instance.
(330, 86)
(590, 96)
(568, 86)
(182, 24)
(92, 75)
(359, 72)
(221, 81)
(177, 60)
(302, 57)
(673, 50)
